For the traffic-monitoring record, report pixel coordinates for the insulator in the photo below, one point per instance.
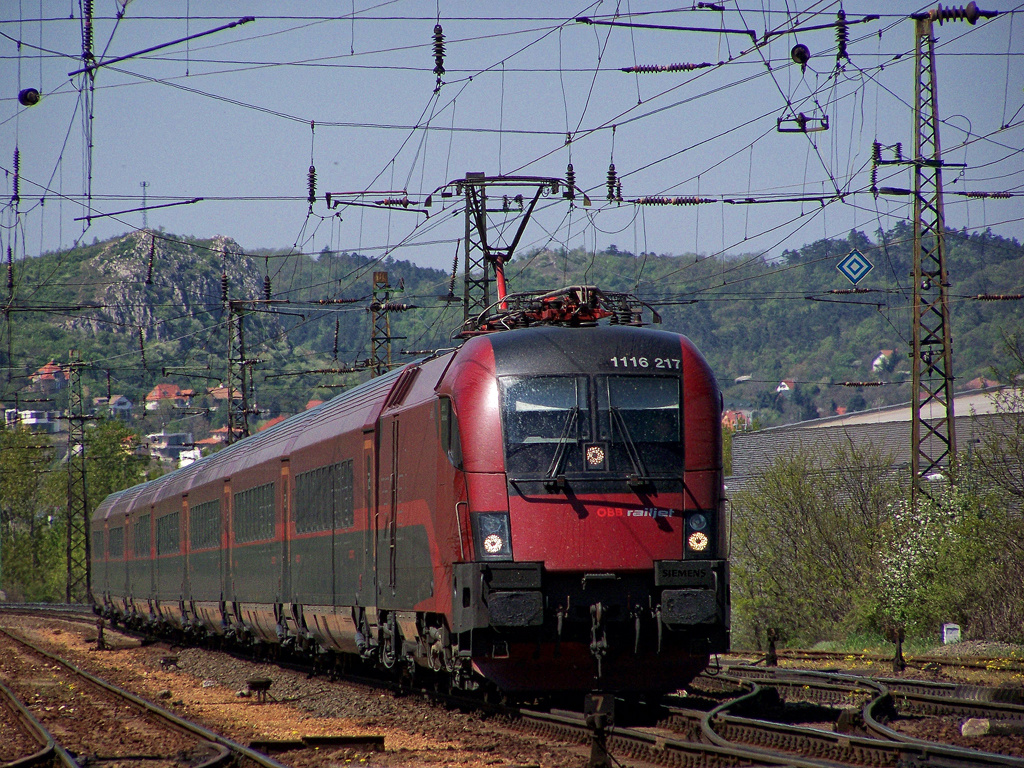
(311, 184)
(899, 151)
(999, 296)
(994, 195)
(402, 201)
(570, 183)
(970, 13)
(623, 314)
(876, 158)
(337, 328)
(142, 347)
(266, 288)
(224, 287)
(842, 35)
(611, 181)
(652, 200)
(17, 176)
(618, 190)
(28, 97)
(646, 69)
(87, 30)
(455, 269)
(800, 54)
(10, 270)
(152, 251)
(394, 306)
(438, 53)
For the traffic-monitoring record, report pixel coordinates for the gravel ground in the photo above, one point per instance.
(205, 688)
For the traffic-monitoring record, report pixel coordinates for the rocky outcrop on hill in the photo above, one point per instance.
(143, 278)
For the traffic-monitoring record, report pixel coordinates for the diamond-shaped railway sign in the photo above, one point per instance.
(855, 266)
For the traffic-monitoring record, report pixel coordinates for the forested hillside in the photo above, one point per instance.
(149, 308)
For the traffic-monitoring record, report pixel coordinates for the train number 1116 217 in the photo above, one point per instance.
(662, 363)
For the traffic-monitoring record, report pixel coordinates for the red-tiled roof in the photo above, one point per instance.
(165, 392)
(271, 423)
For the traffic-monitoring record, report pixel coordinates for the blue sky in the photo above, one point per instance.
(227, 117)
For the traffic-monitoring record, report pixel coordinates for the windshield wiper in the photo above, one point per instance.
(562, 449)
(639, 470)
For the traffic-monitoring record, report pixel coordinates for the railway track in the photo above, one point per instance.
(756, 716)
(864, 708)
(919, 662)
(65, 716)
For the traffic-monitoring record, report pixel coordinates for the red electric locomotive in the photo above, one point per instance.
(541, 508)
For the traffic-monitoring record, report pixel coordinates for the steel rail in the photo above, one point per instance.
(227, 748)
(919, 696)
(38, 731)
(889, 747)
(653, 747)
(988, 662)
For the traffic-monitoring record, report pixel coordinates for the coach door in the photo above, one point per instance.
(387, 512)
(227, 591)
(285, 595)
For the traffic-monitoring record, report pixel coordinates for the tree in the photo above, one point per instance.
(1000, 455)
(31, 527)
(806, 539)
(112, 461)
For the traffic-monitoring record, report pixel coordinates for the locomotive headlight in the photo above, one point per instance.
(698, 522)
(492, 536)
(698, 541)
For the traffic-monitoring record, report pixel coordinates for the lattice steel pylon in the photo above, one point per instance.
(932, 431)
(79, 585)
(238, 413)
(482, 256)
(380, 322)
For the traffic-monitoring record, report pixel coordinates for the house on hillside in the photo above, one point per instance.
(980, 383)
(115, 405)
(736, 420)
(168, 394)
(168, 446)
(786, 387)
(47, 422)
(220, 392)
(49, 379)
(885, 361)
(270, 423)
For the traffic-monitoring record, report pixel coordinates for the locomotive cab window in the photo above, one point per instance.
(640, 419)
(544, 420)
(449, 426)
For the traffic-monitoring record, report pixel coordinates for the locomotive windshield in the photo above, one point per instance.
(543, 417)
(558, 425)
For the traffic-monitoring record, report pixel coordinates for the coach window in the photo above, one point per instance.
(141, 531)
(204, 525)
(324, 498)
(254, 514)
(450, 439)
(168, 535)
(115, 543)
